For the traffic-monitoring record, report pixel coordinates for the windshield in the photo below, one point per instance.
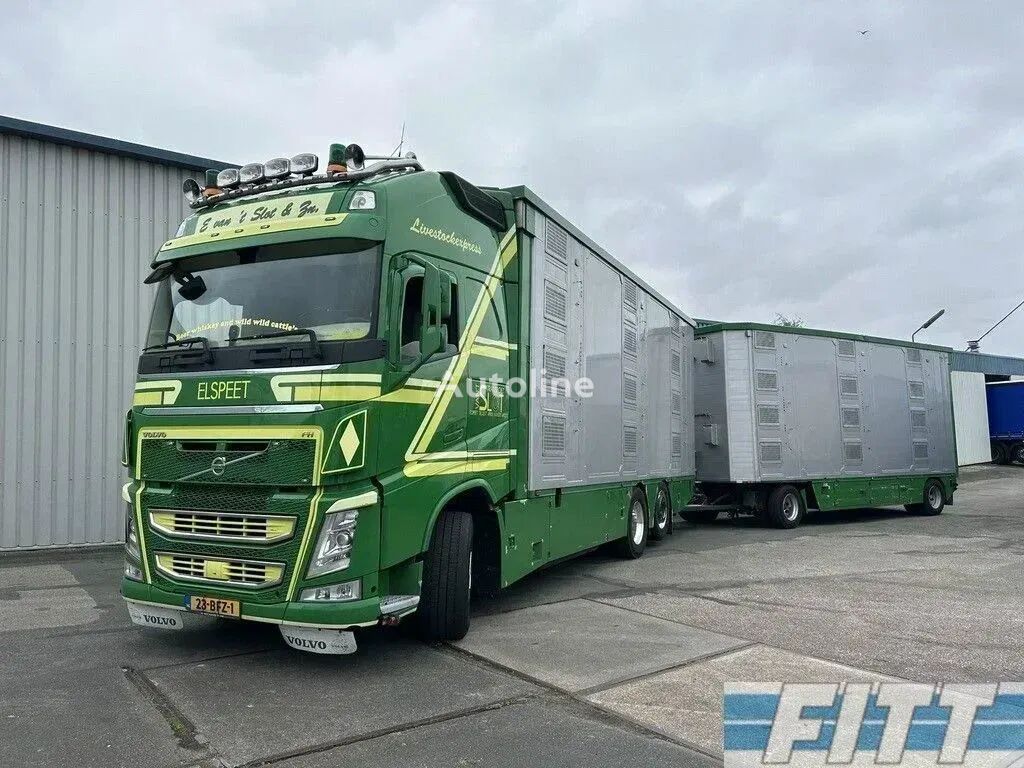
(270, 290)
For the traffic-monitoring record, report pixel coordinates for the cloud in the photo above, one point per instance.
(747, 158)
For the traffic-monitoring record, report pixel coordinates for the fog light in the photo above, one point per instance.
(132, 571)
(305, 162)
(332, 593)
(228, 178)
(252, 173)
(277, 168)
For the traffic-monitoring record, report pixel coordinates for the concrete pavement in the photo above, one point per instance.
(593, 662)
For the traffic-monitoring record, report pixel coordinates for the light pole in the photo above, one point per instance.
(928, 322)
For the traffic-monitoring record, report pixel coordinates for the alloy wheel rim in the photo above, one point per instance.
(934, 498)
(636, 522)
(790, 506)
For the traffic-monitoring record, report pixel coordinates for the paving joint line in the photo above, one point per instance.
(183, 728)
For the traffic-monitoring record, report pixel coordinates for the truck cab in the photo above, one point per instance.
(320, 382)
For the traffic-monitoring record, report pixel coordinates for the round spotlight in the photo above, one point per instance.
(355, 158)
(190, 187)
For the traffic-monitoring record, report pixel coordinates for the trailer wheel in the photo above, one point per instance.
(443, 612)
(633, 545)
(933, 501)
(1017, 453)
(786, 507)
(998, 453)
(661, 525)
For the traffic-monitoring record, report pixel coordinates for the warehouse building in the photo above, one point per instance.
(970, 372)
(80, 217)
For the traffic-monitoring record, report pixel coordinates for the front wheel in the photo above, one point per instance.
(786, 507)
(443, 612)
(934, 500)
(635, 542)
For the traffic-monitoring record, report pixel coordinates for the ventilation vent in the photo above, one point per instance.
(629, 387)
(629, 440)
(629, 340)
(918, 418)
(555, 302)
(920, 450)
(768, 415)
(851, 417)
(675, 323)
(629, 293)
(677, 402)
(848, 386)
(676, 362)
(914, 356)
(764, 339)
(770, 452)
(711, 434)
(846, 348)
(853, 451)
(556, 240)
(677, 445)
(768, 381)
(552, 435)
(916, 389)
(554, 363)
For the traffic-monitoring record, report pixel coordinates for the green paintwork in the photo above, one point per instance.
(415, 214)
(716, 327)
(883, 491)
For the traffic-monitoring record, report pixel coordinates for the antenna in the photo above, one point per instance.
(401, 142)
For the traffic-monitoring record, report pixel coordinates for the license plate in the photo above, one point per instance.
(215, 606)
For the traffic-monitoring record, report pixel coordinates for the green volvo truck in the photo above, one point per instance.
(371, 391)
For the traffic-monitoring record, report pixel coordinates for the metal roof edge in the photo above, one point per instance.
(800, 331)
(531, 197)
(980, 362)
(67, 137)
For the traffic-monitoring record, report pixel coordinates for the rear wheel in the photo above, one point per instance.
(635, 542)
(786, 507)
(999, 454)
(661, 525)
(933, 502)
(443, 612)
(1016, 453)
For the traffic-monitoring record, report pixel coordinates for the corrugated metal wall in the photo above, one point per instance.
(77, 230)
(970, 410)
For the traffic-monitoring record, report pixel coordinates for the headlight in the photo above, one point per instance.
(363, 200)
(131, 536)
(336, 593)
(334, 544)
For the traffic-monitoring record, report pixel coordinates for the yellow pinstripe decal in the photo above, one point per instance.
(156, 392)
(300, 559)
(140, 532)
(493, 352)
(454, 467)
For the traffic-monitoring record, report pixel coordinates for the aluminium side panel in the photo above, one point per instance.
(591, 320)
(971, 422)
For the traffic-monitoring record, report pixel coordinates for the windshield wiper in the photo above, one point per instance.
(183, 357)
(314, 343)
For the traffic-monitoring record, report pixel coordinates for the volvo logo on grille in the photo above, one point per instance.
(217, 465)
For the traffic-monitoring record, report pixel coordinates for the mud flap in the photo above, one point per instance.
(313, 640)
(155, 617)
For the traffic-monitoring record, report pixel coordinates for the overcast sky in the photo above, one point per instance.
(746, 158)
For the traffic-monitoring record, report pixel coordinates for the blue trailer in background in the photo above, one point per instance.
(1006, 421)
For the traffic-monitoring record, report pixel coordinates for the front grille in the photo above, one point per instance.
(222, 526)
(250, 574)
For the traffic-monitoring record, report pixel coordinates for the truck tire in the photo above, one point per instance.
(699, 516)
(786, 507)
(632, 546)
(933, 500)
(443, 612)
(661, 522)
(1016, 453)
(998, 453)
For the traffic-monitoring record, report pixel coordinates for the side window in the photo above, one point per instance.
(492, 326)
(411, 315)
